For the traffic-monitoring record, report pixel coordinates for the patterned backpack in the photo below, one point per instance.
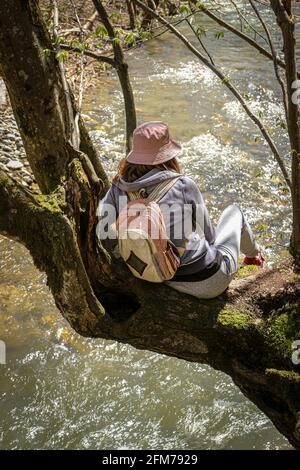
(142, 236)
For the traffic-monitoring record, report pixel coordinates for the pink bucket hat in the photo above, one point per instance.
(152, 144)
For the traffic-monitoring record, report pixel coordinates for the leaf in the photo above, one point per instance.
(47, 52)
(260, 227)
(58, 40)
(145, 35)
(200, 31)
(219, 34)
(130, 38)
(184, 9)
(116, 41)
(101, 31)
(61, 55)
(246, 96)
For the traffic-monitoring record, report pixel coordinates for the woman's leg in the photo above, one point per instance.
(233, 234)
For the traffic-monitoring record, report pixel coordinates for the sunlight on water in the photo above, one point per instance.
(59, 390)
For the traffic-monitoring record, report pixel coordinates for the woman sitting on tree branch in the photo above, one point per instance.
(161, 223)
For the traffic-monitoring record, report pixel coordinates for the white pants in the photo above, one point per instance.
(233, 235)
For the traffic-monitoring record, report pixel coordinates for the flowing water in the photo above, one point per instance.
(59, 390)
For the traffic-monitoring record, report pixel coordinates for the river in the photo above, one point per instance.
(59, 390)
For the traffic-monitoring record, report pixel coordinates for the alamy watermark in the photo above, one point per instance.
(181, 220)
(296, 352)
(2, 352)
(296, 94)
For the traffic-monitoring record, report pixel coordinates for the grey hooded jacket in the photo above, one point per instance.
(185, 214)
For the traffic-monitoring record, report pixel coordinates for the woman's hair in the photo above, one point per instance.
(131, 171)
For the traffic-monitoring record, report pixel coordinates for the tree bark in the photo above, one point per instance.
(286, 22)
(23, 35)
(131, 13)
(123, 74)
(247, 333)
(35, 86)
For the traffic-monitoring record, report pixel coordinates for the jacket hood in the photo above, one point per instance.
(151, 178)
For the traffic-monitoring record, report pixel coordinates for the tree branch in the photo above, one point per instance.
(240, 34)
(274, 55)
(88, 53)
(122, 71)
(228, 84)
(39, 223)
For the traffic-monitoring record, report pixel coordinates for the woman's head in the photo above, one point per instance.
(152, 147)
(131, 171)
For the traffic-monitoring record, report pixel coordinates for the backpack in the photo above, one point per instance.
(142, 236)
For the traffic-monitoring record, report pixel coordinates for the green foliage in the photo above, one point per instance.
(234, 318)
(145, 34)
(101, 32)
(245, 271)
(225, 80)
(280, 123)
(184, 10)
(284, 327)
(58, 40)
(246, 96)
(260, 227)
(47, 52)
(79, 45)
(200, 31)
(219, 34)
(61, 55)
(130, 38)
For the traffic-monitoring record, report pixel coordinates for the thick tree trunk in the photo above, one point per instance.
(36, 93)
(22, 35)
(247, 333)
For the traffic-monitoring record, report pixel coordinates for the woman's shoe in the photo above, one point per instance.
(258, 260)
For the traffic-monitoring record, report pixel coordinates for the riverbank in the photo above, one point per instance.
(12, 154)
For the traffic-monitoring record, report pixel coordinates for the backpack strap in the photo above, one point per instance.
(158, 192)
(162, 188)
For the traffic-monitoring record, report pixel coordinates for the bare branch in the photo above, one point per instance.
(122, 71)
(241, 35)
(243, 18)
(66, 89)
(89, 24)
(228, 84)
(274, 55)
(88, 53)
(200, 41)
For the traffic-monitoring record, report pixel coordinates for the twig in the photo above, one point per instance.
(274, 55)
(89, 24)
(200, 42)
(227, 83)
(73, 137)
(93, 55)
(122, 71)
(240, 34)
(242, 17)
